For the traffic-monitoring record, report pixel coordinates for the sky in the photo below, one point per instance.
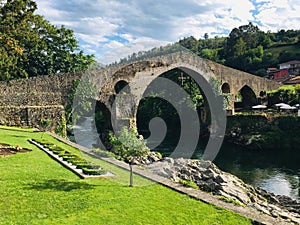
(112, 29)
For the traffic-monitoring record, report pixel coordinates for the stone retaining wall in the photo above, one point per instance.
(31, 116)
(26, 102)
(38, 91)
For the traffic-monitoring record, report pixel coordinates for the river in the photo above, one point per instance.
(274, 170)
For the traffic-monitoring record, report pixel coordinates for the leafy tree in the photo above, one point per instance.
(247, 32)
(31, 46)
(287, 93)
(190, 43)
(129, 146)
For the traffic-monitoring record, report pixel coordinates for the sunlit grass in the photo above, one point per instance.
(35, 189)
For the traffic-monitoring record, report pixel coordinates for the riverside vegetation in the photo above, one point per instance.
(37, 190)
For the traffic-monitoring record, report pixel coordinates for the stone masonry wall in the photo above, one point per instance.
(31, 116)
(39, 91)
(26, 102)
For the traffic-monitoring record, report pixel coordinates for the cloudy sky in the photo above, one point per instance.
(111, 29)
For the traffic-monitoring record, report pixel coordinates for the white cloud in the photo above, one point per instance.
(45, 8)
(141, 44)
(279, 14)
(107, 25)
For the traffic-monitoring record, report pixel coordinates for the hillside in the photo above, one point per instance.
(246, 48)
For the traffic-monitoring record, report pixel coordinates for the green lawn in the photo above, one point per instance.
(34, 189)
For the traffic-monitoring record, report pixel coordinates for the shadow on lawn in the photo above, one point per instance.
(19, 136)
(61, 185)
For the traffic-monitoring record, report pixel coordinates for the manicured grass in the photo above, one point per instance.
(35, 189)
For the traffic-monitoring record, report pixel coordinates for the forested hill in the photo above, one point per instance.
(247, 48)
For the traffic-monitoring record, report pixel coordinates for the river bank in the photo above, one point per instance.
(207, 177)
(263, 132)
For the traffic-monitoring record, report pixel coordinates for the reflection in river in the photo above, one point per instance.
(277, 171)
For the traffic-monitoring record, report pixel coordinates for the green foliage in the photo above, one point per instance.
(61, 128)
(45, 124)
(227, 98)
(267, 133)
(143, 55)
(230, 200)
(287, 94)
(188, 183)
(246, 123)
(129, 145)
(215, 85)
(73, 158)
(247, 48)
(31, 46)
(88, 171)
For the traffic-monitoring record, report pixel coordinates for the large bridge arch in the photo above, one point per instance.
(141, 79)
(126, 105)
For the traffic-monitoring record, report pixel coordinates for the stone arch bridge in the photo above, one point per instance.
(26, 102)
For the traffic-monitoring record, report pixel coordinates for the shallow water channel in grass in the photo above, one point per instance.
(276, 170)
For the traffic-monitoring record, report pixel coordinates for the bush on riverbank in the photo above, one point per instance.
(263, 132)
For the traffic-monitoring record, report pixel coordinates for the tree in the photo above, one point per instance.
(190, 43)
(129, 146)
(31, 46)
(248, 34)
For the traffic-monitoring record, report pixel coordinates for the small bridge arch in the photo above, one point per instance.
(248, 97)
(225, 88)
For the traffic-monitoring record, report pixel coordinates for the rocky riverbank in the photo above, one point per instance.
(208, 177)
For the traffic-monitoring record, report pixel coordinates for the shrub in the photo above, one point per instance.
(129, 146)
(75, 159)
(188, 183)
(93, 171)
(81, 165)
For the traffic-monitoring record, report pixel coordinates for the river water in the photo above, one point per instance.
(276, 170)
